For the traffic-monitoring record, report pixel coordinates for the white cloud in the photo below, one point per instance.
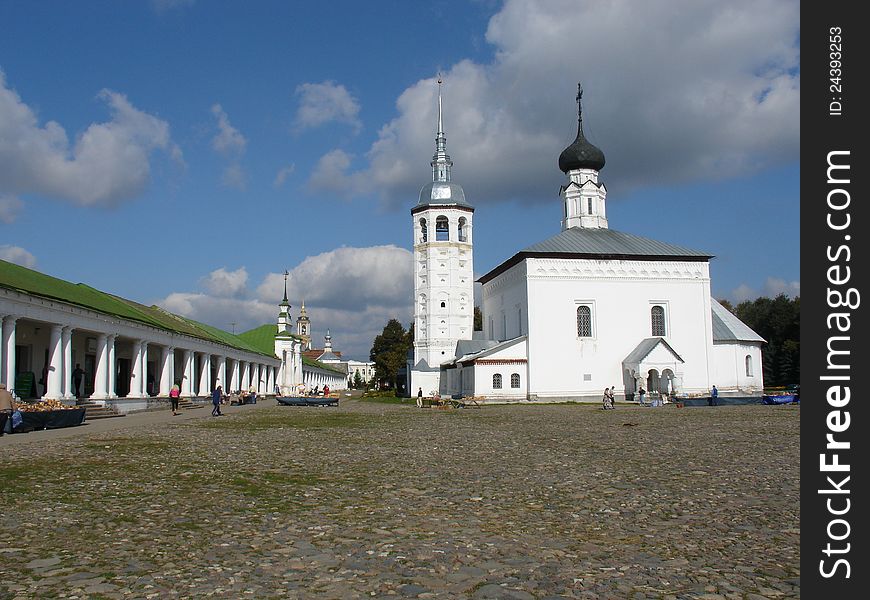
(773, 287)
(228, 140)
(10, 206)
(330, 174)
(227, 284)
(107, 164)
(353, 292)
(283, 174)
(674, 92)
(234, 176)
(321, 103)
(17, 255)
(230, 143)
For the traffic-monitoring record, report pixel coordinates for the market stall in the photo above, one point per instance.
(49, 414)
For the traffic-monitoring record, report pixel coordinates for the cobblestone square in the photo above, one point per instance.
(379, 500)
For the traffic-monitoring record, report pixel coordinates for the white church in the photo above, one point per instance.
(589, 308)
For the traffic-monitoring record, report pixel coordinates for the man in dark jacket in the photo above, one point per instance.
(216, 397)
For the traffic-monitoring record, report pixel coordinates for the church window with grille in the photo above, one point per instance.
(589, 205)
(424, 230)
(515, 380)
(748, 365)
(496, 381)
(442, 229)
(584, 321)
(657, 319)
(462, 232)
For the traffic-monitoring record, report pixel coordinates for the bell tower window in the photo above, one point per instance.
(442, 229)
(424, 231)
(462, 231)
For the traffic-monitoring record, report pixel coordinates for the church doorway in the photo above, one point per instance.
(653, 382)
(667, 383)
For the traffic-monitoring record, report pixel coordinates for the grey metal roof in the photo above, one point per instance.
(328, 356)
(728, 328)
(588, 242)
(464, 347)
(442, 193)
(645, 347)
(585, 240)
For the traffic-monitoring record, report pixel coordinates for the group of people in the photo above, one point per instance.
(609, 400)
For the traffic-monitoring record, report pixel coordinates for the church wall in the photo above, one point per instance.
(620, 295)
(504, 305)
(729, 368)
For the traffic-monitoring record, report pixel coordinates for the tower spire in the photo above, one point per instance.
(441, 163)
(579, 109)
(286, 274)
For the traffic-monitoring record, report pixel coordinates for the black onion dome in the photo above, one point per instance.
(581, 154)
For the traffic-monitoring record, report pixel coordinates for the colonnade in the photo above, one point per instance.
(216, 365)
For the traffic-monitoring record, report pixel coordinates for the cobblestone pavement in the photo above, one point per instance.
(386, 500)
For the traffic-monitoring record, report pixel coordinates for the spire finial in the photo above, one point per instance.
(440, 122)
(286, 274)
(579, 103)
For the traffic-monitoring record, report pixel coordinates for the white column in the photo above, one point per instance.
(246, 377)
(7, 368)
(135, 389)
(144, 370)
(112, 366)
(255, 377)
(204, 375)
(101, 376)
(222, 373)
(167, 365)
(55, 363)
(187, 381)
(270, 379)
(3, 362)
(66, 345)
(234, 377)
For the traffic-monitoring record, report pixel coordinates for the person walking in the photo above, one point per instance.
(325, 390)
(7, 407)
(174, 394)
(610, 396)
(216, 396)
(640, 394)
(420, 397)
(77, 375)
(605, 400)
(714, 397)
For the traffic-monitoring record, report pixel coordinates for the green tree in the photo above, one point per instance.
(778, 321)
(478, 319)
(357, 381)
(389, 352)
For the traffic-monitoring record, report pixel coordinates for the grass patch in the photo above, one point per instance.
(391, 399)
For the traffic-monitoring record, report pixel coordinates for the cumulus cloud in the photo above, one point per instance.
(674, 92)
(321, 103)
(10, 206)
(225, 283)
(353, 292)
(17, 255)
(108, 163)
(283, 174)
(230, 143)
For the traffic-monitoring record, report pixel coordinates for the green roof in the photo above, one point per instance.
(263, 337)
(34, 283)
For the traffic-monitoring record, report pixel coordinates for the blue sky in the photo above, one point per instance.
(186, 153)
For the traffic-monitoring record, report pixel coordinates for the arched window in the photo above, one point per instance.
(748, 366)
(462, 233)
(584, 321)
(496, 381)
(442, 230)
(515, 380)
(657, 320)
(424, 230)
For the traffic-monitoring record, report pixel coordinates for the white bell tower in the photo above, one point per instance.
(442, 223)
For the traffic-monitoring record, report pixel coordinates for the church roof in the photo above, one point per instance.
(442, 193)
(728, 328)
(646, 346)
(599, 243)
(464, 347)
